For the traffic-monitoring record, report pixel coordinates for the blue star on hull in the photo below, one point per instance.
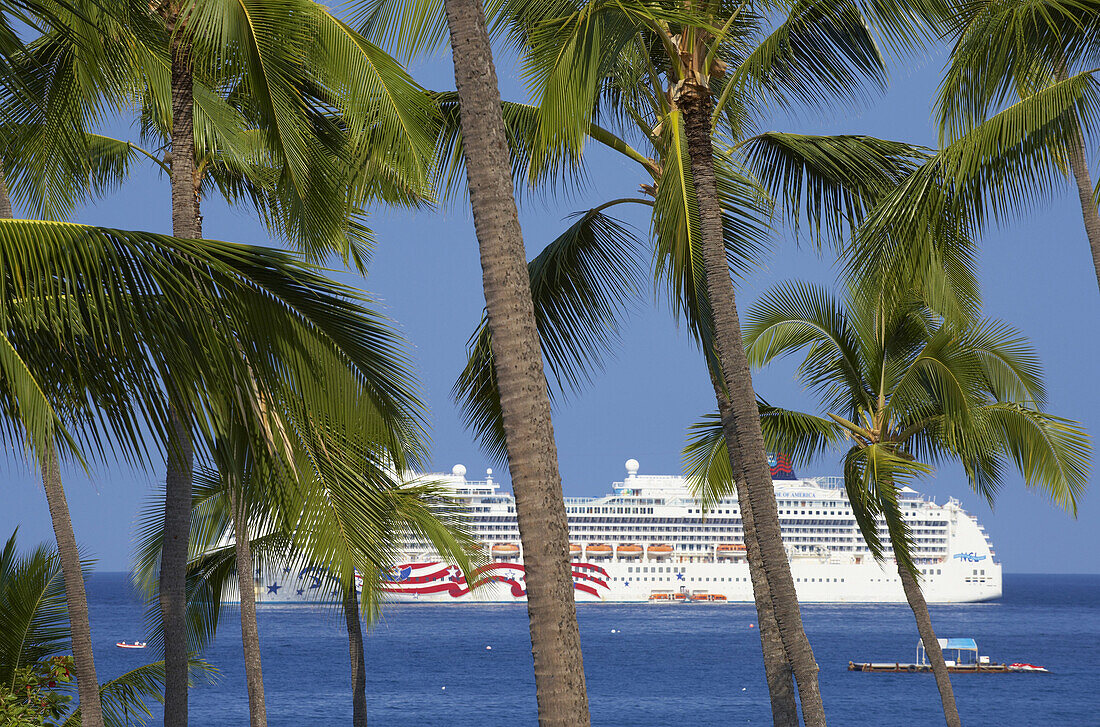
(274, 588)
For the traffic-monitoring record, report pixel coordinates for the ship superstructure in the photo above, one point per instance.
(650, 541)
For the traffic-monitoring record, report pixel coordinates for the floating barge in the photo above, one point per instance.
(966, 661)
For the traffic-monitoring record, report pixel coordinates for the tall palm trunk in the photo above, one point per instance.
(5, 198)
(250, 634)
(742, 427)
(1079, 165)
(76, 599)
(532, 454)
(1078, 162)
(358, 660)
(777, 670)
(186, 222)
(917, 603)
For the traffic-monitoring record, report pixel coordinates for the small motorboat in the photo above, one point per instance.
(130, 644)
(1021, 666)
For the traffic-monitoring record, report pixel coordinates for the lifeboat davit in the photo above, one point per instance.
(630, 550)
(660, 551)
(730, 550)
(505, 549)
(598, 550)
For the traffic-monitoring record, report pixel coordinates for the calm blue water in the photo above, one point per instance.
(694, 665)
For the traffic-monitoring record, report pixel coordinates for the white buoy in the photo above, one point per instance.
(488, 648)
(444, 688)
(742, 689)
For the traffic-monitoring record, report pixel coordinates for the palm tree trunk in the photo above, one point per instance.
(532, 455)
(5, 198)
(358, 660)
(777, 669)
(742, 427)
(76, 599)
(917, 603)
(250, 634)
(1078, 162)
(186, 222)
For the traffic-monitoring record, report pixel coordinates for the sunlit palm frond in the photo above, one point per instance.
(918, 237)
(1003, 51)
(800, 436)
(126, 698)
(1052, 453)
(796, 316)
(581, 284)
(1016, 158)
(34, 623)
(707, 463)
(829, 181)
(873, 476)
(822, 51)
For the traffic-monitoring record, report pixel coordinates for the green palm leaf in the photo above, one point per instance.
(581, 284)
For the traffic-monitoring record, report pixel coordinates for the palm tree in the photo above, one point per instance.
(580, 279)
(269, 167)
(1040, 60)
(902, 389)
(90, 336)
(34, 631)
(280, 151)
(341, 523)
(295, 64)
(518, 365)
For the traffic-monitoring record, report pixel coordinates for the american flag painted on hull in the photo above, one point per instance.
(781, 467)
(437, 577)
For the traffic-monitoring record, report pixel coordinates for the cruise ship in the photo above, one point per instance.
(650, 542)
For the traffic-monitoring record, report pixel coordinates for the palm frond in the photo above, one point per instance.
(822, 51)
(829, 181)
(581, 284)
(707, 463)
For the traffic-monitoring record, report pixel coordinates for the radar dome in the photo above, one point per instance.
(458, 471)
(632, 467)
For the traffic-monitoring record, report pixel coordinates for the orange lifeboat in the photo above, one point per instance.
(630, 550)
(507, 550)
(598, 550)
(574, 549)
(660, 551)
(730, 550)
(703, 597)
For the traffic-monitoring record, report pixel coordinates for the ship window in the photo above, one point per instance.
(937, 571)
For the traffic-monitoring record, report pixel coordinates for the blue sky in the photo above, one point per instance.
(1036, 274)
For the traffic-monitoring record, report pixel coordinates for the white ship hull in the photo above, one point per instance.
(650, 543)
(815, 582)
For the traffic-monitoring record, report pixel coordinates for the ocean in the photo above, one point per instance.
(428, 665)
